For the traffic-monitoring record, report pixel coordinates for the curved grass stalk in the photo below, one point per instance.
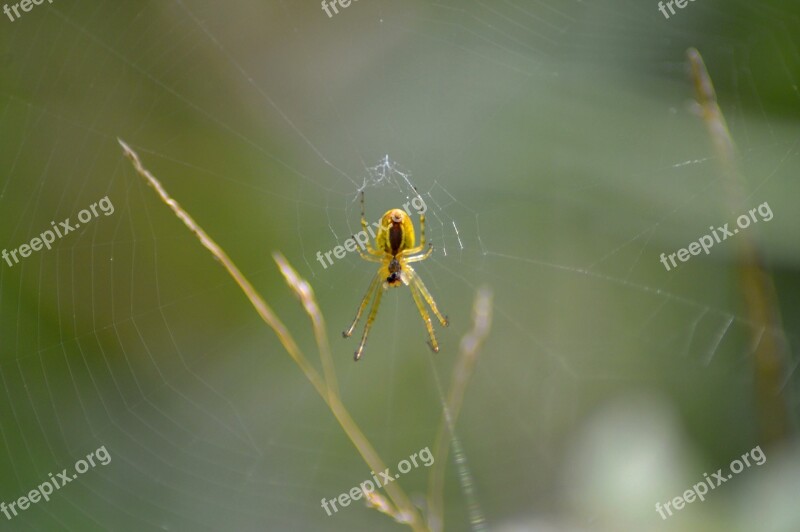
(771, 347)
(402, 510)
(469, 349)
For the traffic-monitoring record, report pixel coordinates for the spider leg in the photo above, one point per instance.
(363, 213)
(370, 291)
(421, 246)
(421, 230)
(415, 281)
(421, 257)
(425, 317)
(372, 313)
(365, 229)
(373, 257)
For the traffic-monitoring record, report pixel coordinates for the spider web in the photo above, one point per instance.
(556, 153)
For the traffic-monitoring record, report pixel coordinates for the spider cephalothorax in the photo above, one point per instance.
(395, 251)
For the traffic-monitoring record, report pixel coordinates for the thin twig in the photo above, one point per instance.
(406, 513)
(469, 349)
(771, 350)
(253, 296)
(327, 388)
(304, 291)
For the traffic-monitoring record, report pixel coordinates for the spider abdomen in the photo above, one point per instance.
(396, 233)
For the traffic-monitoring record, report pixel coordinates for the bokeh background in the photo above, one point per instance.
(556, 148)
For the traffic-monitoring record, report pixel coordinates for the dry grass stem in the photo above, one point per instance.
(304, 291)
(469, 349)
(327, 388)
(771, 348)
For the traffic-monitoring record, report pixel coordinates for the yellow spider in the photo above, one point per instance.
(395, 251)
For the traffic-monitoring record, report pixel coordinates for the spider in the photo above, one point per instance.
(395, 252)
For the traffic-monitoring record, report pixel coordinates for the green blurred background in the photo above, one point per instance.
(555, 146)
